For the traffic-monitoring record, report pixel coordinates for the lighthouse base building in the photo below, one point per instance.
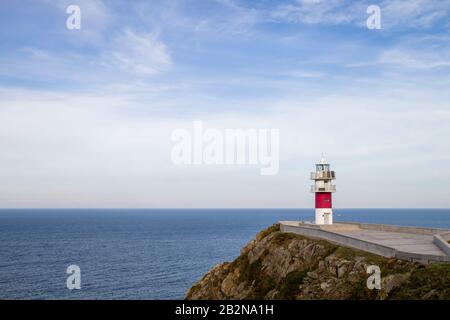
(323, 189)
(324, 212)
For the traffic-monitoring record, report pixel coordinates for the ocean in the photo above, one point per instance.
(143, 254)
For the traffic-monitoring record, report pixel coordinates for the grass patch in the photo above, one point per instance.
(351, 253)
(387, 265)
(282, 237)
(289, 285)
(240, 263)
(431, 277)
(274, 228)
(252, 274)
(361, 292)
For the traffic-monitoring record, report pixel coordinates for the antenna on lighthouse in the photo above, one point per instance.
(322, 160)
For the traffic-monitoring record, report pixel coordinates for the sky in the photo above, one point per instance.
(86, 115)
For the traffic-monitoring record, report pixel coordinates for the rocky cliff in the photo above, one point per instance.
(278, 265)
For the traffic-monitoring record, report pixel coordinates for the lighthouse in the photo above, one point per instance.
(323, 189)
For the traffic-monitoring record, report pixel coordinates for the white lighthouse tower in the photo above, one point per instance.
(323, 190)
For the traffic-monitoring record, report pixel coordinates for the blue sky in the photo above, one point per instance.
(86, 115)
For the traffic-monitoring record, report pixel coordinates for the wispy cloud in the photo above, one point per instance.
(395, 13)
(230, 18)
(142, 54)
(104, 150)
(415, 60)
(86, 116)
(97, 20)
(414, 13)
(330, 12)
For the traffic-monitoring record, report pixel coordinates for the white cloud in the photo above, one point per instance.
(36, 53)
(139, 53)
(330, 12)
(96, 20)
(106, 150)
(415, 60)
(230, 17)
(304, 74)
(126, 58)
(111, 146)
(394, 13)
(419, 52)
(413, 13)
(111, 48)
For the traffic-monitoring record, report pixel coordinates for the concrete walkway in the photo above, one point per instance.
(407, 242)
(410, 243)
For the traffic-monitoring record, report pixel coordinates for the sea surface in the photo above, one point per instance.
(143, 254)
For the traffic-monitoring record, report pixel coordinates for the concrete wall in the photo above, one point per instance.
(441, 240)
(384, 227)
(340, 239)
(424, 258)
(378, 249)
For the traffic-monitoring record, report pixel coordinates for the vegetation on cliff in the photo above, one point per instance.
(278, 265)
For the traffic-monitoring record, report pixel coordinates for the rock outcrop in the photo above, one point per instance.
(278, 265)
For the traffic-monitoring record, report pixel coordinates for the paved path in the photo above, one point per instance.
(407, 242)
(402, 240)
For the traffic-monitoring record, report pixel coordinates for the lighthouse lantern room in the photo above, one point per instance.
(323, 189)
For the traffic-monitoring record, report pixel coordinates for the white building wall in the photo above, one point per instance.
(324, 216)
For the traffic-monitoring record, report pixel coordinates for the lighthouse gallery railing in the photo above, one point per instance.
(323, 175)
(329, 188)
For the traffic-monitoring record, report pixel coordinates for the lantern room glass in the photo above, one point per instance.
(322, 167)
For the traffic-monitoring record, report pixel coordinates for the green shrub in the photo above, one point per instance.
(282, 237)
(266, 232)
(434, 277)
(290, 284)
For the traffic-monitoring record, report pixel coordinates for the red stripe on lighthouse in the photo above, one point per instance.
(323, 199)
